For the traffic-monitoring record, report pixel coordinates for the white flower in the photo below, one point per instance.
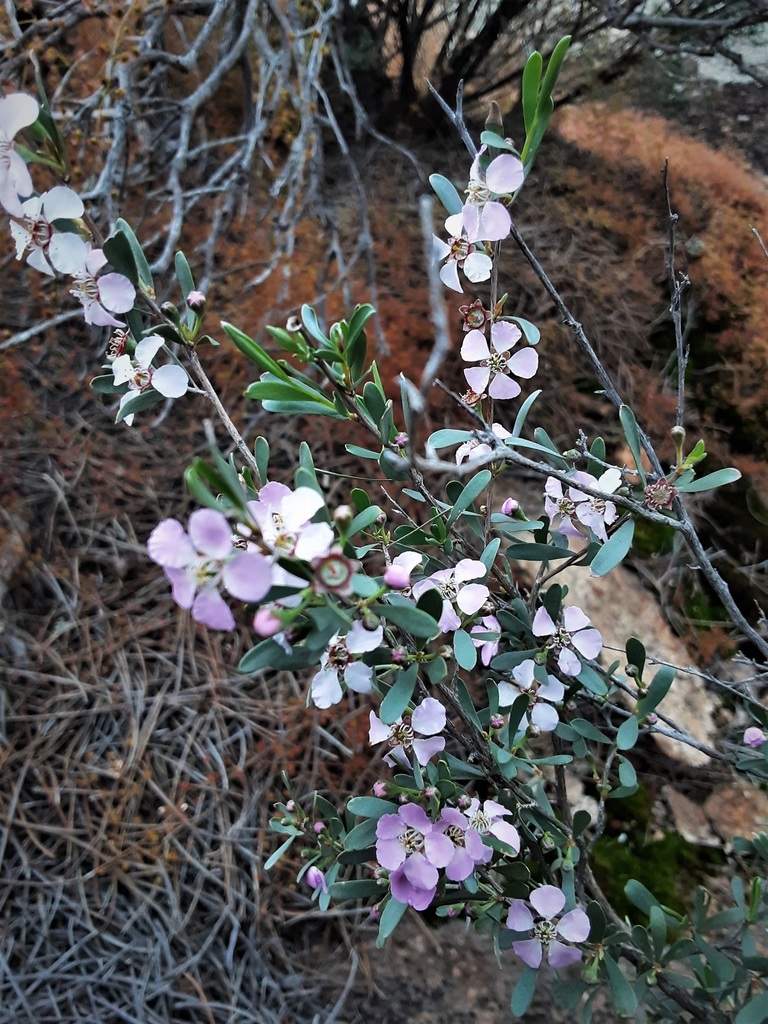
(339, 666)
(46, 249)
(17, 111)
(102, 296)
(170, 380)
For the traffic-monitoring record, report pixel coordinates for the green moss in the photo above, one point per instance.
(652, 539)
(670, 868)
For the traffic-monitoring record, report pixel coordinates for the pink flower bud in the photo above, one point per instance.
(265, 623)
(497, 721)
(196, 302)
(430, 791)
(651, 719)
(463, 802)
(380, 789)
(318, 827)
(510, 506)
(291, 805)
(316, 879)
(754, 737)
(397, 577)
(401, 439)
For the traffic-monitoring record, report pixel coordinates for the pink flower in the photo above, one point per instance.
(338, 665)
(46, 249)
(570, 632)
(595, 513)
(540, 714)
(398, 574)
(489, 648)
(102, 296)
(412, 849)
(482, 217)
(283, 517)
(488, 819)
(454, 586)
(469, 849)
(315, 879)
(265, 622)
(199, 562)
(460, 252)
(510, 506)
(574, 926)
(17, 111)
(754, 737)
(495, 366)
(474, 449)
(427, 719)
(170, 380)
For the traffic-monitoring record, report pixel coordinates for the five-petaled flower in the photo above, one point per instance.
(571, 631)
(36, 238)
(17, 111)
(540, 714)
(338, 665)
(101, 296)
(487, 818)
(566, 509)
(485, 636)
(170, 380)
(454, 585)
(283, 517)
(495, 364)
(474, 448)
(410, 846)
(574, 926)
(427, 719)
(198, 562)
(469, 849)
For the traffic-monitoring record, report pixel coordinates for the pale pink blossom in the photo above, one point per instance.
(570, 632)
(493, 374)
(754, 737)
(487, 818)
(315, 879)
(398, 574)
(101, 296)
(283, 517)
(412, 849)
(469, 850)
(17, 111)
(137, 372)
(474, 448)
(482, 217)
(547, 901)
(36, 238)
(488, 647)
(339, 669)
(567, 509)
(199, 562)
(542, 696)
(460, 252)
(426, 720)
(454, 586)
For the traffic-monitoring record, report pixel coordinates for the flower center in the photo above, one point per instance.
(206, 572)
(478, 191)
(447, 587)
(456, 835)
(480, 821)
(497, 362)
(560, 638)
(412, 840)
(545, 932)
(86, 289)
(140, 379)
(117, 345)
(40, 232)
(401, 735)
(338, 655)
(460, 249)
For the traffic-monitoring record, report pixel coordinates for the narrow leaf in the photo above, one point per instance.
(632, 434)
(390, 918)
(614, 550)
(446, 193)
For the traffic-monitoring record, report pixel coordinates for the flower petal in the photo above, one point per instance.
(495, 222)
(147, 349)
(472, 597)
(359, 639)
(529, 952)
(477, 267)
(574, 926)
(425, 750)
(429, 717)
(325, 690)
(547, 900)
(519, 918)
(588, 642)
(562, 956)
(62, 202)
(210, 532)
(477, 377)
(168, 545)
(542, 623)
(248, 577)
(17, 111)
(524, 363)
(503, 387)
(116, 293)
(170, 380)
(474, 347)
(449, 275)
(212, 610)
(359, 677)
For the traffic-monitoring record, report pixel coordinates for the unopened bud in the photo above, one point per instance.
(497, 721)
(510, 506)
(265, 623)
(380, 789)
(316, 879)
(343, 516)
(171, 312)
(293, 324)
(430, 791)
(318, 827)
(196, 302)
(463, 801)
(401, 439)
(445, 652)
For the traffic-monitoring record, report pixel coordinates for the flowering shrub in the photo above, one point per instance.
(474, 816)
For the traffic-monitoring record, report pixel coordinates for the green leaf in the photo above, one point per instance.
(711, 481)
(409, 618)
(495, 141)
(754, 1012)
(390, 918)
(375, 401)
(588, 731)
(399, 696)
(639, 896)
(627, 773)
(364, 519)
(143, 400)
(362, 836)
(105, 385)
(183, 274)
(465, 650)
(635, 654)
(261, 454)
(626, 737)
(355, 889)
(491, 550)
(370, 807)
(614, 550)
(632, 434)
(275, 857)
(553, 71)
(536, 552)
(581, 821)
(394, 467)
(362, 453)
(592, 681)
(118, 251)
(312, 326)
(445, 438)
(522, 413)
(446, 193)
(523, 993)
(275, 390)
(542, 437)
(657, 691)
(253, 351)
(531, 332)
(139, 259)
(623, 994)
(658, 931)
(465, 700)
(530, 87)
